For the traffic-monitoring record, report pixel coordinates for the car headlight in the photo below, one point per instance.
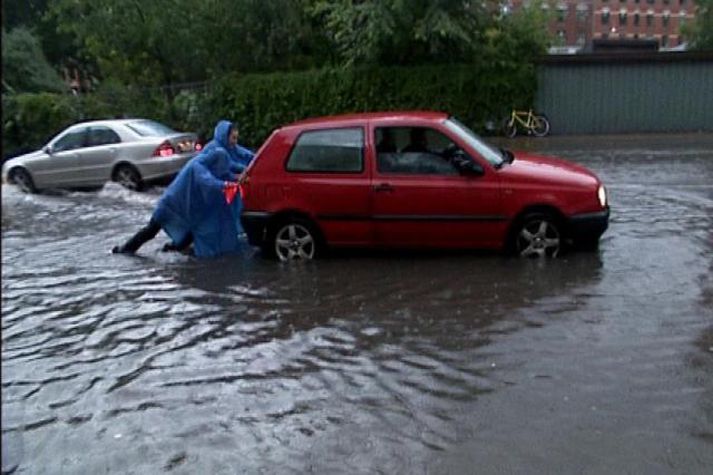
(602, 195)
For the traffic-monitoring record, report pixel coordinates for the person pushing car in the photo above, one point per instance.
(201, 206)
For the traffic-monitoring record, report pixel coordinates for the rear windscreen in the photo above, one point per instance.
(150, 128)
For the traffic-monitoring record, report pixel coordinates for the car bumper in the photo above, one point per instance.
(162, 167)
(255, 225)
(588, 227)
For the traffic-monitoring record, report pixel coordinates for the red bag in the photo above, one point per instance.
(230, 189)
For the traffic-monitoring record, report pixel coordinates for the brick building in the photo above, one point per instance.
(575, 23)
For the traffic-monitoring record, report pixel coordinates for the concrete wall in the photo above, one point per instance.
(625, 93)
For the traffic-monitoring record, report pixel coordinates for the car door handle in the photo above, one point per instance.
(384, 187)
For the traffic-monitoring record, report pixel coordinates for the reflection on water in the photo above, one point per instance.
(364, 362)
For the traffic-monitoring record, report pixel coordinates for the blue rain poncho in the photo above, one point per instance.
(195, 203)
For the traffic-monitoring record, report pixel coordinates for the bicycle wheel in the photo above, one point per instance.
(509, 127)
(540, 125)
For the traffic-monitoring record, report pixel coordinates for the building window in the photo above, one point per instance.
(561, 38)
(605, 16)
(666, 1)
(636, 1)
(664, 41)
(582, 12)
(581, 39)
(561, 12)
(666, 18)
(681, 2)
(682, 19)
(636, 18)
(650, 2)
(622, 16)
(649, 18)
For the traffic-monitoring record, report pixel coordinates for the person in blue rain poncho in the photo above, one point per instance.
(201, 206)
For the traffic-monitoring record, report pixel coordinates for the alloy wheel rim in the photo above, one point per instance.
(126, 179)
(294, 242)
(539, 239)
(22, 182)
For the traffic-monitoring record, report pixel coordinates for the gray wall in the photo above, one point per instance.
(625, 93)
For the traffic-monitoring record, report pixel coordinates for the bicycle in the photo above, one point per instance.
(535, 124)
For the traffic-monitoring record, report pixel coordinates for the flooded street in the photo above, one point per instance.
(371, 362)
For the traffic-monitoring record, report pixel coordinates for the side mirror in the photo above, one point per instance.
(466, 165)
(47, 149)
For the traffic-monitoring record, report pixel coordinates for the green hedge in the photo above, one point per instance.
(262, 102)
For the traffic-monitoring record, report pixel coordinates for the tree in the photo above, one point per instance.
(700, 32)
(165, 42)
(403, 31)
(24, 66)
(22, 12)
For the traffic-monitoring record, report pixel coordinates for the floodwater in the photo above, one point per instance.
(371, 362)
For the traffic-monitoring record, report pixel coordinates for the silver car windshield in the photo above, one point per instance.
(485, 150)
(150, 128)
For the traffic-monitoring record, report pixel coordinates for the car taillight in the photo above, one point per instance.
(164, 150)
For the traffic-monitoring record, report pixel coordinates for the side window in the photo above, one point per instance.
(102, 136)
(335, 150)
(414, 151)
(70, 141)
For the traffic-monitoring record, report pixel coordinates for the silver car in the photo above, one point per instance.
(131, 152)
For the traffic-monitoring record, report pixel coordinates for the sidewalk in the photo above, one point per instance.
(695, 140)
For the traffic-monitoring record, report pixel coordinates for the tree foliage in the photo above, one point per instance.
(402, 31)
(700, 32)
(24, 65)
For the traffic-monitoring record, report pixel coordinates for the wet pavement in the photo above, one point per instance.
(367, 363)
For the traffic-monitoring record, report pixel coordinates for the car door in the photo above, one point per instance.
(59, 168)
(420, 199)
(326, 176)
(95, 161)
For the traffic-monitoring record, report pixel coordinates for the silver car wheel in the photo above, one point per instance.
(127, 177)
(294, 242)
(23, 180)
(539, 237)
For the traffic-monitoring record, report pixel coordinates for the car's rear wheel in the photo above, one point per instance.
(128, 177)
(538, 235)
(294, 239)
(23, 180)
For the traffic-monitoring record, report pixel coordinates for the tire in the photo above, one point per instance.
(540, 126)
(293, 239)
(23, 180)
(128, 177)
(537, 235)
(509, 128)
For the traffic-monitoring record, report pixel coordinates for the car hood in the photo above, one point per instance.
(531, 168)
(25, 157)
(21, 159)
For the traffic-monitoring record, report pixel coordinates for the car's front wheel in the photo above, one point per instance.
(23, 180)
(538, 235)
(128, 177)
(294, 239)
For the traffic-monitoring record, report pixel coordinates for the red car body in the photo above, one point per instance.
(481, 205)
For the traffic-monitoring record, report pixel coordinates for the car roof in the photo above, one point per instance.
(333, 120)
(108, 122)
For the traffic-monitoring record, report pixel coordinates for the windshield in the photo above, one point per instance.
(485, 150)
(150, 128)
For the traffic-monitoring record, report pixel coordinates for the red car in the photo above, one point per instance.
(412, 180)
